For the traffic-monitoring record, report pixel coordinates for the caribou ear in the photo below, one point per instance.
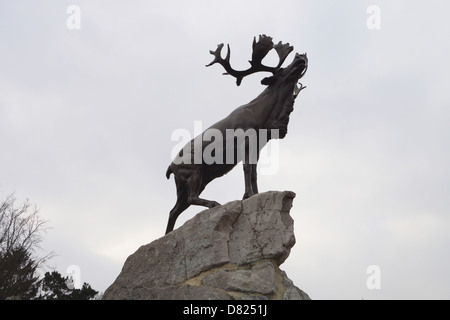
(268, 81)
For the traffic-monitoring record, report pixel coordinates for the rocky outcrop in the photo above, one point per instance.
(228, 252)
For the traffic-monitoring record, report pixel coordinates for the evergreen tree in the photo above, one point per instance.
(18, 279)
(57, 287)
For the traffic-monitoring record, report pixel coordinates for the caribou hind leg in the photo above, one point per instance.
(188, 194)
(180, 206)
(195, 187)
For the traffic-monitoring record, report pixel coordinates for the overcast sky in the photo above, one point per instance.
(86, 117)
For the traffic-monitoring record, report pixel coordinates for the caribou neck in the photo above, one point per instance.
(269, 105)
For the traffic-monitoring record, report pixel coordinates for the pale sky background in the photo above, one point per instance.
(86, 118)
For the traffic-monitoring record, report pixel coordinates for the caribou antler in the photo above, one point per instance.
(260, 50)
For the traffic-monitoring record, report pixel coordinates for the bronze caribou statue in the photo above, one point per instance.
(268, 113)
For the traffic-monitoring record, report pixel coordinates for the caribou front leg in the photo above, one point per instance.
(254, 179)
(248, 181)
(250, 160)
(251, 185)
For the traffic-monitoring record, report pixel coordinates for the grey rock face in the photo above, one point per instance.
(178, 292)
(227, 252)
(260, 279)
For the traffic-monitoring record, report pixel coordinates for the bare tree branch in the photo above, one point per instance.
(21, 227)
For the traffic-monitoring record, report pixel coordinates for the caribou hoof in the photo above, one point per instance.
(213, 204)
(246, 196)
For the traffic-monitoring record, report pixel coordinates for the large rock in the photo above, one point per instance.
(229, 252)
